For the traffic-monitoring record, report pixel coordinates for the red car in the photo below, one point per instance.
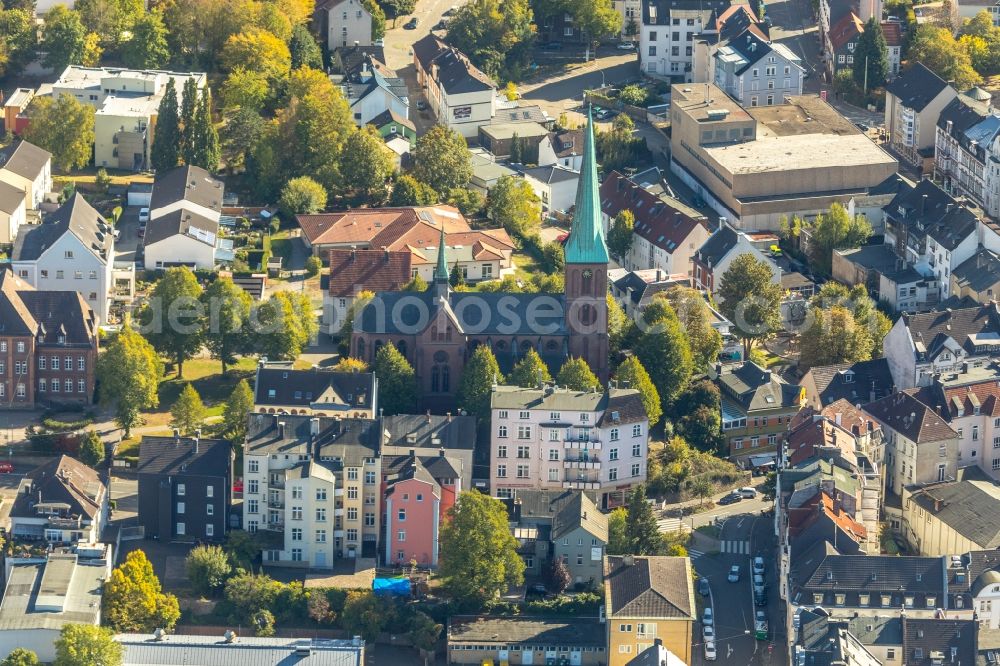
(6, 467)
(237, 485)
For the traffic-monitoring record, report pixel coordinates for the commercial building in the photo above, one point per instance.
(952, 517)
(526, 640)
(757, 165)
(461, 96)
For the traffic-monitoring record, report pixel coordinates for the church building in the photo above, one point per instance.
(438, 330)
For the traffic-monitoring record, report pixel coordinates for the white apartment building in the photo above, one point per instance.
(666, 37)
(315, 481)
(967, 150)
(556, 439)
(461, 96)
(346, 23)
(184, 212)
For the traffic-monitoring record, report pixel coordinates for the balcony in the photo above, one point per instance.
(592, 463)
(338, 512)
(276, 482)
(338, 492)
(276, 504)
(582, 443)
(581, 485)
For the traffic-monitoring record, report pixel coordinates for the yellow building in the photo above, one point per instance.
(646, 598)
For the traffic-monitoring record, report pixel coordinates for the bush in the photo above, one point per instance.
(634, 95)
(313, 265)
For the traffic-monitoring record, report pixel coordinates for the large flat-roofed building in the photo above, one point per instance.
(759, 164)
(526, 640)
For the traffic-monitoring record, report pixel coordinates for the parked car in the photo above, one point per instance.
(760, 625)
(441, 25)
(758, 565)
(6, 467)
(760, 598)
(411, 24)
(749, 492)
(708, 634)
(862, 126)
(734, 574)
(758, 583)
(707, 619)
(731, 498)
(144, 215)
(626, 46)
(703, 587)
(552, 46)
(710, 653)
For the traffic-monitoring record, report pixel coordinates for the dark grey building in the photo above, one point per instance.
(185, 487)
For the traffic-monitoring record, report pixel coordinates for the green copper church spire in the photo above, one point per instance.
(586, 237)
(441, 271)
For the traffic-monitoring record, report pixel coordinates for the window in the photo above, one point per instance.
(635, 469)
(352, 534)
(613, 454)
(352, 474)
(296, 554)
(770, 100)
(420, 497)
(59, 275)
(81, 363)
(321, 515)
(738, 443)
(501, 471)
(321, 494)
(636, 450)
(180, 507)
(181, 528)
(41, 385)
(553, 435)
(296, 513)
(502, 414)
(555, 416)
(68, 254)
(401, 535)
(401, 515)
(210, 530)
(181, 489)
(252, 486)
(55, 361)
(369, 519)
(524, 416)
(975, 433)
(254, 466)
(553, 474)
(554, 454)
(209, 509)
(93, 275)
(614, 434)
(523, 452)
(42, 362)
(502, 431)
(637, 430)
(652, 50)
(44, 273)
(754, 442)
(296, 492)
(502, 450)
(772, 440)
(890, 654)
(352, 513)
(320, 536)
(613, 474)
(524, 432)
(522, 471)
(352, 492)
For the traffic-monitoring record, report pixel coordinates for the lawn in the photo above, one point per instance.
(207, 378)
(281, 246)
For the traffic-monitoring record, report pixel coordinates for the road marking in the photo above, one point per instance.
(673, 525)
(695, 553)
(736, 547)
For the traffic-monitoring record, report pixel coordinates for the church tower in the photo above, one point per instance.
(441, 284)
(587, 269)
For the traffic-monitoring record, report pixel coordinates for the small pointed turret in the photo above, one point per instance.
(586, 237)
(441, 270)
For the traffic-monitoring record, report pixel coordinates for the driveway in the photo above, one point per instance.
(128, 234)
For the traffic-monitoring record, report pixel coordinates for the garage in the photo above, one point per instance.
(139, 194)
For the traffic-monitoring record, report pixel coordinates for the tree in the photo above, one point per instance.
(618, 543)
(468, 201)
(871, 56)
(244, 128)
(701, 488)
(134, 602)
(63, 38)
(304, 50)
(416, 283)
(576, 375)
(621, 328)
(245, 89)
(91, 451)
(620, 147)
(632, 374)
(478, 552)
(205, 152)
(313, 266)
(981, 40)
(698, 416)
(147, 49)
(633, 94)
(302, 195)
(238, 407)
(189, 106)
(399, 7)
(367, 181)
(641, 530)
(836, 230)
(249, 592)
(64, 127)
(478, 377)
(378, 19)
(834, 337)
(620, 235)
(112, 20)
(553, 258)
(128, 372)
(424, 634)
(515, 156)
(243, 548)
(364, 615)
(227, 331)
(172, 320)
(597, 19)
(696, 319)
(750, 299)
(18, 38)
(408, 191)
(938, 50)
(348, 364)
(397, 383)
(557, 577)
(530, 371)
(285, 325)
(512, 204)
(21, 657)
(92, 50)
(665, 352)
(456, 279)
(496, 35)
(442, 159)
(258, 51)
(320, 610)
(207, 568)
(188, 411)
(88, 645)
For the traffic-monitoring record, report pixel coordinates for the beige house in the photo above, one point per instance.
(913, 102)
(344, 23)
(29, 168)
(13, 213)
(954, 517)
(461, 96)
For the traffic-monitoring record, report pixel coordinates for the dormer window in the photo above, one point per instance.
(849, 377)
(61, 339)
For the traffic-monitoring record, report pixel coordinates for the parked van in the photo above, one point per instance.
(748, 492)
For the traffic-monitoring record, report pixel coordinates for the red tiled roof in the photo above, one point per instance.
(659, 221)
(361, 226)
(370, 270)
(850, 416)
(846, 29)
(893, 33)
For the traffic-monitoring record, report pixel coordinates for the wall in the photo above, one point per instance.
(624, 643)
(578, 550)
(419, 526)
(180, 248)
(349, 23)
(898, 349)
(928, 535)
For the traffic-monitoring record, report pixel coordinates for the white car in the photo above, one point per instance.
(748, 492)
(734, 574)
(708, 634)
(710, 653)
(144, 215)
(707, 619)
(758, 565)
(626, 46)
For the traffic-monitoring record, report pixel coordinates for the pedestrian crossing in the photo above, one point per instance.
(673, 525)
(735, 547)
(694, 554)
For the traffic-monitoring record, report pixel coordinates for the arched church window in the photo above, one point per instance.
(552, 345)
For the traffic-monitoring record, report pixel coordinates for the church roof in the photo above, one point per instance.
(586, 238)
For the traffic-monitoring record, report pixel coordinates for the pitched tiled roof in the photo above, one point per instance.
(287, 386)
(77, 217)
(189, 183)
(552, 173)
(970, 508)
(389, 117)
(25, 159)
(381, 227)
(62, 480)
(663, 221)
(11, 198)
(567, 142)
(849, 27)
(893, 33)
(649, 587)
(755, 388)
(182, 223)
(930, 330)
(915, 420)
(916, 87)
(455, 73)
(928, 641)
(169, 455)
(954, 401)
(718, 245)
(370, 270)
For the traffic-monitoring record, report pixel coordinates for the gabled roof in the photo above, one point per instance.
(553, 173)
(450, 67)
(182, 222)
(63, 481)
(380, 227)
(345, 441)
(413, 431)
(52, 317)
(370, 270)
(979, 272)
(912, 418)
(11, 198)
(969, 327)
(969, 507)
(916, 87)
(855, 382)
(649, 587)
(877, 573)
(188, 183)
(663, 221)
(567, 142)
(848, 28)
(928, 641)
(926, 209)
(180, 455)
(25, 159)
(626, 402)
(77, 217)
(893, 32)
(718, 245)
(658, 12)
(283, 385)
(349, 60)
(390, 117)
(754, 388)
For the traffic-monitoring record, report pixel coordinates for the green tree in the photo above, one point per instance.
(697, 415)
(348, 364)
(63, 38)
(243, 130)
(871, 56)
(271, 19)
(620, 235)
(21, 657)
(495, 34)
(621, 328)
(696, 319)
(512, 204)
(134, 600)
(397, 383)
(88, 645)
(172, 320)
(701, 488)
(456, 279)
(476, 386)
(258, 51)
(302, 195)
(304, 50)
(750, 300)
(227, 331)
(408, 191)
(836, 230)
(286, 324)
(207, 568)
(365, 615)
(128, 372)
(468, 201)
(442, 159)
(112, 20)
(189, 106)
(981, 40)
(188, 411)
(399, 7)
(557, 577)
(243, 548)
(553, 257)
(64, 127)
(834, 337)
(641, 530)
(313, 266)
(665, 352)
(632, 374)
(238, 406)
(598, 19)
(205, 151)
(249, 592)
(618, 543)
(530, 371)
(91, 451)
(147, 49)
(367, 181)
(633, 94)
(515, 156)
(576, 375)
(424, 633)
(18, 39)
(417, 283)
(478, 552)
(378, 19)
(938, 50)
(245, 89)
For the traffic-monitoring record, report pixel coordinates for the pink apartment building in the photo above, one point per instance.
(419, 491)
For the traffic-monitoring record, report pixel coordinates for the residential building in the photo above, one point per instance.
(564, 148)
(978, 277)
(757, 406)
(281, 389)
(858, 383)
(44, 594)
(712, 258)
(554, 185)
(835, 31)
(499, 138)
(564, 525)
(867, 265)
(666, 37)
(893, 32)
(922, 345)
(656, 655)
(913, 102)
(755, 71)
(184, 213)
(343, 23)
(526, 640)
(821, 640)
(637, 289)
(460, 96)
(967, 149)
(14, 118)
(354, 271)
(486, 171)
(631, 13)
(13, 213)
(952, 517)
(841, 42)
(369, 86)
(757, 165)
(391, 125)
(731, 25)
(646, 598)
(73, 250)
(126, 102)
(233, 650)
(312, 482)
(184, 487)
(28, 168)
(48, 346)
(418, 492)
(967, 9)
(667, 233)
(428, 435)
(61, 502)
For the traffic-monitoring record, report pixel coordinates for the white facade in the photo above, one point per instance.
(180, 249)
(974, 173)
(631, 13)
(464, 112)
(772, 78)
(668, 50)
(968, 9)
(348, 24)
(34, 190)
(558, 193)
(11, 221)
(376, 102)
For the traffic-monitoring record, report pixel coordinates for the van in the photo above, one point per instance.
(748, 492)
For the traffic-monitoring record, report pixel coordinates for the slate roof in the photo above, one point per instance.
(455, 73)
(928, 209)
(565, 511)
(626, 402)
(971, 121)
(410, 431)
(349, 60)
(877, 630)
(389, 117)
(955, 640)
(709, 10)
(144, 650)
(573, 632)
(910, 417)
(754, 388)
(552, 173)
(306, 387)
(182, 223)
(189, 183)
(930, 330)
(971, 508)
(370, 270)
(11, 198)
(77, 217)
(916, 86)
(874, 575)
(879, 258)
(25, 159)
(432, 469)
(174, 456)
(520, 114)
(866, 377)
(663, 221)
(650, 587)
(62, 480)
(718, 245)
(567, 142)
(351, 440)
(46, 315)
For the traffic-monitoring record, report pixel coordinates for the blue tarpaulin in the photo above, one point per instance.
(399, 587)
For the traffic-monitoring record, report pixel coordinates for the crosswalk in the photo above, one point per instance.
(673, 525)
(735, 547)
(694, 554)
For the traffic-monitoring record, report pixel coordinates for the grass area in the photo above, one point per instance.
(526, 266)
(89, 175)
(207, 378)
(708, 530)
(281, 246)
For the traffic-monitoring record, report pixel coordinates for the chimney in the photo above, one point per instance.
(441, 452)
(413, 453)
(197, 439)
(314, 427)
(428, 416)
(177, 436)
(838, 417)
(923, 203)
(354, 253)
(281, 429)
(628, 560)
(385, 255)
(722, 222)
